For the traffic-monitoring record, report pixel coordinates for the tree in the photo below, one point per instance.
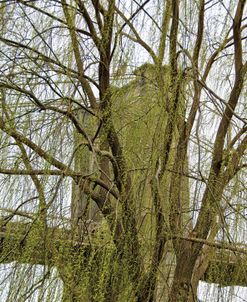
(123, 153)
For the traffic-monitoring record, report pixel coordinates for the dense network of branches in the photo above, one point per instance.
(122, 149)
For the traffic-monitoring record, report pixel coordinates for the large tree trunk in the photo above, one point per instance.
(182, 281)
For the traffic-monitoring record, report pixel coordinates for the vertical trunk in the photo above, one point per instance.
(89, 274)
(70, 265)
(182, 287)
(74, 262)
(83, 209)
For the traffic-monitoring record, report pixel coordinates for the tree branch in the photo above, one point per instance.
(224, 268)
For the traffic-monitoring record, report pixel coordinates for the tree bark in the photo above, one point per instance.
(225, 268)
